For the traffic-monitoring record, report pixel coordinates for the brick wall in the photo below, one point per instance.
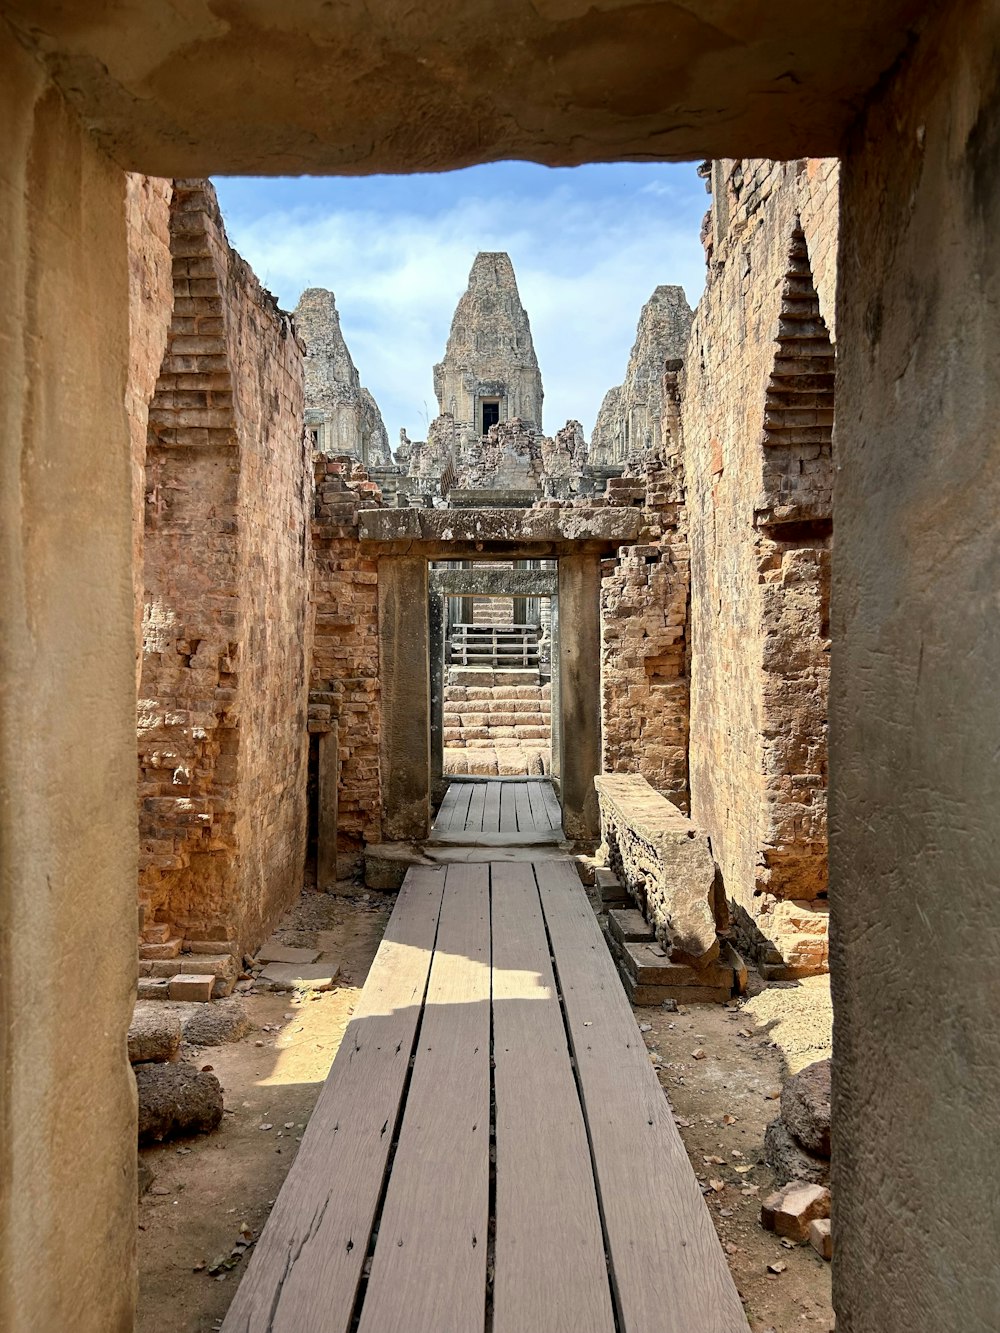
(150, 302)
(222, 700)
(756, 413)
(344, 685)
(644, 615)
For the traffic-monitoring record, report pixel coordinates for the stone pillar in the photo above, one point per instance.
(580, 691)
(436, 612)
(404, 661)
(327, 783)
(68, 837)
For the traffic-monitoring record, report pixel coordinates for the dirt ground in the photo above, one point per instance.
(207, 1190)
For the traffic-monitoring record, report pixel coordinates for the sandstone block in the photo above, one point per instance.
(157, 932)
(611, 888)
(273, 951)
(211, 946)
(168, 949)
(650, 966)
(152, 988)
(821, 1237)
(300, 976)
(652, 996)
(805, 1107)
(191, 987)
(628, 924)
(790, 1160)
(217, 1023)
(789, 1211)
(176, 1099)
(154, 1033)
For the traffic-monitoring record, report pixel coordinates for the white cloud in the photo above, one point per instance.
(585, 266)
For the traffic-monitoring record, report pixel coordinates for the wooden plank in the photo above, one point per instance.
(522, 809)
(474, 819)
(442, 819)
(550, 1270)
(429, 1269)
(539, 809)
(304, 1273)
(552, 804)
(508, 812)
(491, 810)
(460, 809)
(668, 1270)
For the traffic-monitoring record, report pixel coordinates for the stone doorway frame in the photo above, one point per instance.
(404, 542)
(468, 581)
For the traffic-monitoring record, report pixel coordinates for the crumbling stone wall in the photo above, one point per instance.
(756, 415)
(341, 416)
(628, 422)
(222, 700)
(644, 623)
(344, 677)
(150, 302)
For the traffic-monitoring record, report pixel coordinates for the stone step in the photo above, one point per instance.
(628, 925)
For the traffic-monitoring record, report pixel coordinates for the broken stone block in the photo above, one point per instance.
(276, 952)
(184, 986)
(176, 1099)
(790, 1160)
(300, 976)
(805, 1107)
(628, 925)
(212, 946)
(153, 988)
(154, 1033)
(789, 1211)
(741, 975)
(667, 859)
(217, 1023)
(650, 966)
(611, 888)
(821, 1237)
(168, 949)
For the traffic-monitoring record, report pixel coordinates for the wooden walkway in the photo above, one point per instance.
(492, 1149)
(499, 806)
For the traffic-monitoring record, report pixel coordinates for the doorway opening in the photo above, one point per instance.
(492, 666)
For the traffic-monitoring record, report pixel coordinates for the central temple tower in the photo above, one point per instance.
(489, 372)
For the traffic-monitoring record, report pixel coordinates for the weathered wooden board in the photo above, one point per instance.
(668, 1270)
(491, 810)
(508, 811)
(429, 1269)
(304, 1273)
(442, 819)
(539, 809)
(477, 806)
(552, 805)
(460, 810)
(522, 809)
(550, 1271)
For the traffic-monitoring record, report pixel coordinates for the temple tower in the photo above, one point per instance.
(489, 372)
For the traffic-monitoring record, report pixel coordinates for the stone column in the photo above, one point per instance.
(328, 782)
(436, 613)
(580, 691)
(404, 661)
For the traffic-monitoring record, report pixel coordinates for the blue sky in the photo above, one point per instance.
(588, 244)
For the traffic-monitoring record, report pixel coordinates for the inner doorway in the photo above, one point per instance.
(491, 667)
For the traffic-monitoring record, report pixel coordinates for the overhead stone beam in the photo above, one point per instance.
(494, 582)
(441, 534)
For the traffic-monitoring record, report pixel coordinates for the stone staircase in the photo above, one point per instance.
(497, 730)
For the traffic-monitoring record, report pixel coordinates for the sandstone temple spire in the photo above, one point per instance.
(489, 372)
(341, 416)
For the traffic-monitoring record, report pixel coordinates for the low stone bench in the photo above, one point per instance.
(667, 866)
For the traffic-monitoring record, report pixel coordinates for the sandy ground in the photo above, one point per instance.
(206, 1189)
